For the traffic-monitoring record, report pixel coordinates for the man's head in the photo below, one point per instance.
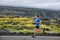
(36, 16)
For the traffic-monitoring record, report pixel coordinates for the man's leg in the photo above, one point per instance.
(34, 35)
(38, 30)
(35, 31)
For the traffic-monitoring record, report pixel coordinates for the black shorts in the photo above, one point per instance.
(37, 27)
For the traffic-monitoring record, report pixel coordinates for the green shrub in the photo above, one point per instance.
(25, 31)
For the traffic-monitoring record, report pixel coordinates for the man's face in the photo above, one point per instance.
(35, 16)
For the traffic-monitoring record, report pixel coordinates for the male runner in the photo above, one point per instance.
(37, 23)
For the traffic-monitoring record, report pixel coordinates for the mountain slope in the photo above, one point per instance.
(22, 11)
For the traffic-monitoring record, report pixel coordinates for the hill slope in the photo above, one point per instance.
(22, 11)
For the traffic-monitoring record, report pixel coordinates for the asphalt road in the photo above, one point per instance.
(29, 38)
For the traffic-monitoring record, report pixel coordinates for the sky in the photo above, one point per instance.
(42, 4)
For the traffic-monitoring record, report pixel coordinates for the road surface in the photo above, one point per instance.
(29, 38)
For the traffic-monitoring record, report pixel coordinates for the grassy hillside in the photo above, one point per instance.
(22, 11)
(11, 20)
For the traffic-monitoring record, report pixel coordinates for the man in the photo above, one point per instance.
(37, 25)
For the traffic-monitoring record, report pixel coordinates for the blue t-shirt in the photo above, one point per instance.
(37, 20)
